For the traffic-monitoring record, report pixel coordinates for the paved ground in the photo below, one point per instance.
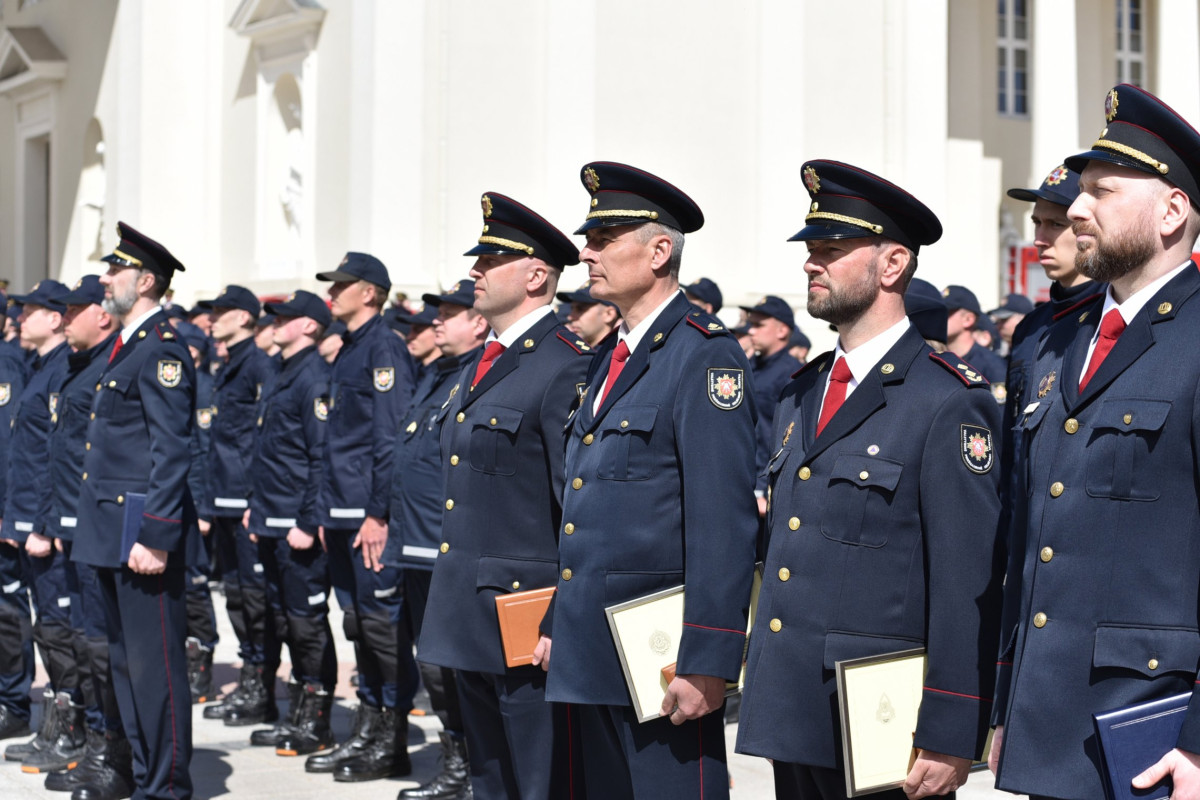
(224, 764)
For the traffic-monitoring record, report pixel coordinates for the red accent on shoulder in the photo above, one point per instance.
(709, 628)
(571, 343)
(694, 321)
(959, 694)
(1075, 306)
(954, 370)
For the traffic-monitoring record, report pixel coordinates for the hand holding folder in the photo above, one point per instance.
(520, 616)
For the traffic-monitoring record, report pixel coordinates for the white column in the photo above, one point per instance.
(1177, 57)
(1053, 87)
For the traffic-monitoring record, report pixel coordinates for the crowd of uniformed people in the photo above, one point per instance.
(1013, 491)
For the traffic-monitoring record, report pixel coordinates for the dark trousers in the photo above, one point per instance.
(439, 681)
(95, 631)
(147, 626)
(224, 536)
(298, 596)
(519, 745)
(386, 670)
(624, 758)
(52, 632)
(802, 782)
(16, 634)
(202, 617)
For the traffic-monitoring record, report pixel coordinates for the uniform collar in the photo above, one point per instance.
(515, 331)
(129, 330)
(632, 338)
(1134, 303)
(350, 337)
(296, 360)
(1066, 295)
(82, 358)
(447, 364)
(863, 358)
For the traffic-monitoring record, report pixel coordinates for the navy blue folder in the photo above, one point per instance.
(135, 507)
(1134, 738)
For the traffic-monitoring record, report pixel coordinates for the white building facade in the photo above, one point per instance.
(261, 139)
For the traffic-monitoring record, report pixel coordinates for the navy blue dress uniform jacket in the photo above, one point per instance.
(237, 389)
(14, 371)
(417, 481)
(27, 508)
(139, 431)
(660, 492)
(769, 376)
(503, 466)
(76, 390)
(370, 388)
(882, 538)
(290, 446)
(1102, 577)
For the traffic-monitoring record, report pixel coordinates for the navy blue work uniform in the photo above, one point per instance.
(882, 526)
(202, 618)
(370, 389)
(237, 388)
(16, 632)
(286, 477)
(1102, 572)
(659, 492)
(140, 426)
(768, 377)
(27, 510)
(502, 446)
(68, 442)
(417, 507)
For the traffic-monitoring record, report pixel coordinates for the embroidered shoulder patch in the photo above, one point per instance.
(726, 387)
(976, 448)
(321, 408)
(385, 378)
(170, 373)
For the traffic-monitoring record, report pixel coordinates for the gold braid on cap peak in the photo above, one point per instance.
(1136, 155)
(862, 223)
(133, 262)
(524, 248)
(617, 212)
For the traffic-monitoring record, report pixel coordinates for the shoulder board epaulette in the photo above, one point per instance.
(706, 323)
(574, 342)
(1076, 306)
(819, 361)
(965, 372)
(165, 331)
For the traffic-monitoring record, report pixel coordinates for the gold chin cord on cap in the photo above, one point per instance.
(509, 243)
(862, 223)
(127, 259)
(1136, 155)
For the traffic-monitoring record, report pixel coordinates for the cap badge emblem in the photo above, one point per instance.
(454, 289)
(486, 203)
(1110, 106)
(1057, 176)
(591, 180)
(812, 181)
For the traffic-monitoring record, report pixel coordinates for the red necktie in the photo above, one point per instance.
(615, 365)
(490, 354)
(836, 394)
(1110, 328)
(116, 349)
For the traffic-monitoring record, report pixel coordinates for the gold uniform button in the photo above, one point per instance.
(804, 474)
(589, 439)
(111, 384)
(1047, 554)
(784, 574)
(776, 625)
(566, 574)
(454, 461)
(1056, 489)
(141, 334)
(862, 476)
(85, 476)
(1164, 308)
(1128, 418)
(1153, 664)
(624, 423)
(1071, 425)
(93, 415)
(460, 417)
(577, 483)
(492, 421)
(120, 499)
(449, 504)
(97, 387)
(516, 584)
(528, 342)
(569, 528)
(87, 446)
(794, 523)
(260, 422)
(1039, 620)
(445, 548)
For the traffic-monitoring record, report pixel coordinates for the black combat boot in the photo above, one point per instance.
(286, 725)
(366, 720)
(200, 679)
(312, 733)
(68, 779)
(67, 748)
(47, 732)
(110, 777)
(258, 700)
(233, 699)
(385, 756)
(453, 782)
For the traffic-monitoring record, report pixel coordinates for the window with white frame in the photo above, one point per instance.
(1012, 57)
(1131, 41)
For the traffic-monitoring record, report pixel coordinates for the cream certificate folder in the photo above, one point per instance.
(646, 632)
(879, 697)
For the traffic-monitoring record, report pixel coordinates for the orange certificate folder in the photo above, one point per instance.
(520, 615)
